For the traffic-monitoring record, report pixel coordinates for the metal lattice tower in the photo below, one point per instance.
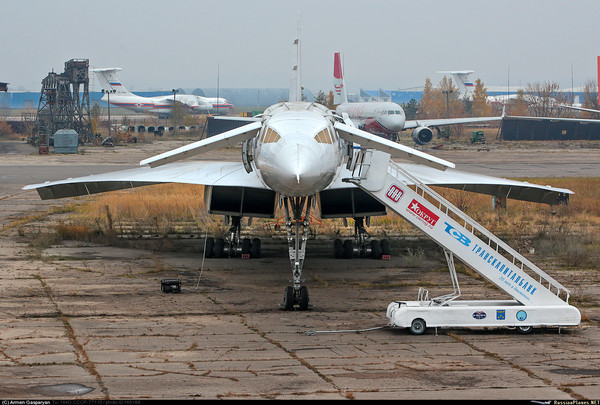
(65, 102)
(77, 72)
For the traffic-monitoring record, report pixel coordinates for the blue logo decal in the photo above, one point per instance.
(521, 315)
(500, 314)
(450, 230)
(479, 315)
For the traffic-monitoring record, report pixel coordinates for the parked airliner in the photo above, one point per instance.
(297, 155)
(387, 119)
(160, 105)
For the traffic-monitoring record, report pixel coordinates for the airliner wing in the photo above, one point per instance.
(581, 109)
(210, 173)
(477, 183)
(447, 121)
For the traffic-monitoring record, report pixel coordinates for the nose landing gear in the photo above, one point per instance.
(296, 295)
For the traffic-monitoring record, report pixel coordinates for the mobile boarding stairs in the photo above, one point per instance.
(538, 299)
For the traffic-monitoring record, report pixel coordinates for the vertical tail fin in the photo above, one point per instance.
(339, 86)
(296, 82)
(109, 81)
(463, 82)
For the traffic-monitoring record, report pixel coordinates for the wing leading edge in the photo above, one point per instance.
(210, 173)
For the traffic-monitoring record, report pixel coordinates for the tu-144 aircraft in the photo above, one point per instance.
(305, 158)
(159, 105)
(387, 119)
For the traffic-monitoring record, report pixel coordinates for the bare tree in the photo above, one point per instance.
(590, 97)
(544, 99)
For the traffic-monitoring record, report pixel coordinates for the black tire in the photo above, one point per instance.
(385, 247)
(255, 249)
(288, 298)
(246, 244)
(376, 249)
(417, 327)
(338, 248)
(219, 247)
(348, 249)
(304, 298)
(525, 329)
(209, 248)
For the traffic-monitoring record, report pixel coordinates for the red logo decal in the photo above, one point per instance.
(422, 212)
(394, 193)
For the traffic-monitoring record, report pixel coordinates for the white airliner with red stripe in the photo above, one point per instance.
(387, 119)
(159, 105)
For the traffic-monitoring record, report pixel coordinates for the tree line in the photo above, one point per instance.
(538, 99)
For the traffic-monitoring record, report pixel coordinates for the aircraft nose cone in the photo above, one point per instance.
(301, 170)
(395, 122)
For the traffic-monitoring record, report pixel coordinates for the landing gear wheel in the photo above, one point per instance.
(304, 298)
(385, 247)
(338, 248)
(255, 248)
(219, 245)
(246, 244)
(209, 248)
(348, 249)
(525, 329)
(288, 298)
(417, 327)
(376, 249)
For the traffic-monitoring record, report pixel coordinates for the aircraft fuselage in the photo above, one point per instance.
(382, 118)
(162, 107)
(297, 151)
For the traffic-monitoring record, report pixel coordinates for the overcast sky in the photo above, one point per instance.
(388, 44)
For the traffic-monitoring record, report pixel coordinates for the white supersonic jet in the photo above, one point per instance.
(296, 154)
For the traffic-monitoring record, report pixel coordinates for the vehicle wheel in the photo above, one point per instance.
(338, 248)
(376, 249)
(209, 248)
(288, 298)
(303, 298)
(348, 249)
(246, 244)
(219, 245)
(417, 327)
(525, 329)
(385, 247)
(255, 248)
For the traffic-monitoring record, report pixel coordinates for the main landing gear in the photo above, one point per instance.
(361, 246)
(296, 295)
(232, 244)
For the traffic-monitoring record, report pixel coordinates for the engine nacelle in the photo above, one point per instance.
(422, 135)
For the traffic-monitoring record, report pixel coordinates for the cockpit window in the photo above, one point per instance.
(324, 136)
(270, 136)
